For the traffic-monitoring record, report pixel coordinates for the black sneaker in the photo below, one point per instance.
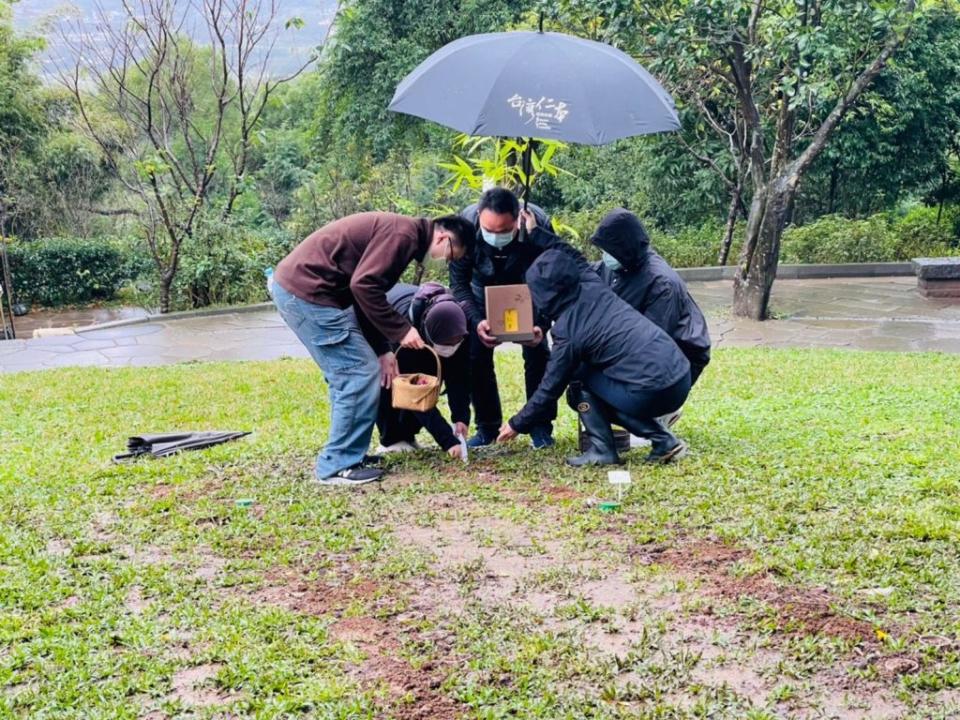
(482, 439)
(668, 456)
(372, 461)
(541, 437)
(356, 475)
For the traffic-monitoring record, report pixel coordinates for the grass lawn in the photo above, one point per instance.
(803, 561)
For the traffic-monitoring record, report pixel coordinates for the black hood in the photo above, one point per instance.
(554, 282)
(622, 235)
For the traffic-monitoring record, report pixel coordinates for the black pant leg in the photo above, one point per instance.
(394, 425)
(484, 393)
(535, 361)
(636, 402)
(696, 369)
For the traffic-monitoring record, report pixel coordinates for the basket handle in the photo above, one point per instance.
(436, 357)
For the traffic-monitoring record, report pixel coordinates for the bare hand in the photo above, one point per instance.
(507, 433)
(412, 340)
(529, 220)
(388, 369)
(483, 332)
(454, 452)
(460, 430)
(537, 338)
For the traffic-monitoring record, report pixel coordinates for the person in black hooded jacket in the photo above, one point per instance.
(647, 282)
(631, 371)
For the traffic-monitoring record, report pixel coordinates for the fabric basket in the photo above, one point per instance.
(417, 391)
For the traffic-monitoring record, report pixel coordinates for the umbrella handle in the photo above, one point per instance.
(526, 165)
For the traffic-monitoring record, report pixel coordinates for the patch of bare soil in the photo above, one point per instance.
(494, 562)
(562, 492)
(193, 687)
(412, 693)
(288, 589)
(800, 610)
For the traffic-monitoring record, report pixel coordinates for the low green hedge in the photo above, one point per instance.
(71, 271)
(884, 237)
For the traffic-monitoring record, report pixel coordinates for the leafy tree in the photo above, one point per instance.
(172, 119)
(22, 123)
(375, 44)
(776, 76)
(22, 127)
(898, 141)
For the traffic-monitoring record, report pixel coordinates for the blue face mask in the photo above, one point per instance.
(497, 240)
(610, 261)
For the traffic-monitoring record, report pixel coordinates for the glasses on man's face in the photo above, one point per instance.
(448, 254)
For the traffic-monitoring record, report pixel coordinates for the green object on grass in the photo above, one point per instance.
(244, 502)
(609, 507)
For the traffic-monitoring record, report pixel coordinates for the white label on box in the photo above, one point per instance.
(619, 477)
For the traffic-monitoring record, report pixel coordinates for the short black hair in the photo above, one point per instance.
(462, 230)
(499, 200)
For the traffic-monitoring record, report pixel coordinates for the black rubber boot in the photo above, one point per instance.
(603, 448)
(665, 446)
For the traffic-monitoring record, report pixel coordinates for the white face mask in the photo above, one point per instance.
(446, 351)
(497, 240)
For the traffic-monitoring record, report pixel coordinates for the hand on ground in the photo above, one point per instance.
(507, 433)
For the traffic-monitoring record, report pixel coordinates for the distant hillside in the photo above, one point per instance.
(37, 15)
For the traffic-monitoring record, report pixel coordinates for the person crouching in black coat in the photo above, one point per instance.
(637, 273)
(441, 322)
(630, 369)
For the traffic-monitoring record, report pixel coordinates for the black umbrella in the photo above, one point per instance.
(537, 85)
(163, 444)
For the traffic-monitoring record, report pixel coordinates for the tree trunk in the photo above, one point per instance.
(166, 283)
(761, 250)
(731, 225)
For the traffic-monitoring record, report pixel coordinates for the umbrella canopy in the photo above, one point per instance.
(536, 84)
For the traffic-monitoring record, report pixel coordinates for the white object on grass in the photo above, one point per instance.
(398, 447)
(619, 478)
(463, 448)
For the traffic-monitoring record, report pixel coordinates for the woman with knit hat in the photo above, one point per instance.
(442, 324)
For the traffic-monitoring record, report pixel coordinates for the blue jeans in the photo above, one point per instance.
(351, 370)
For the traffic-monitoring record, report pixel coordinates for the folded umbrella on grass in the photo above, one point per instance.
(163, 444)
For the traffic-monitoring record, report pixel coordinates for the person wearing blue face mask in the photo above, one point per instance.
(646, 281)
(500, 257)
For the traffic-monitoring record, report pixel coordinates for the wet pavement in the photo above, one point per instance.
(862, 314)
(79, 317)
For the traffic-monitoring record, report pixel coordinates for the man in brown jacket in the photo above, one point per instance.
(354, 261)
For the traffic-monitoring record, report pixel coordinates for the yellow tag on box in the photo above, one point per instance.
(510, 312)
(511, 320)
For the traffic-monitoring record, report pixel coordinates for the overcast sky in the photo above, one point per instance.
(294, 46)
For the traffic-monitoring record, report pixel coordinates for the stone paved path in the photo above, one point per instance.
(866, 314)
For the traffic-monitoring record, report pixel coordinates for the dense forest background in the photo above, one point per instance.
(147, 164)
